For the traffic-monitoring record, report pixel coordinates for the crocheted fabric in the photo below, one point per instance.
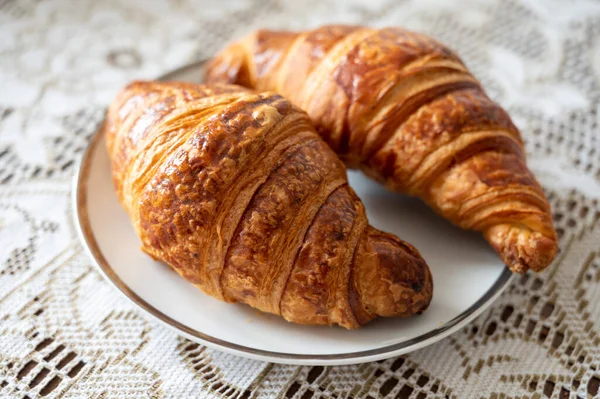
(65, 333)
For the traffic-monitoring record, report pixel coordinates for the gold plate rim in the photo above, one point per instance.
(90, 243)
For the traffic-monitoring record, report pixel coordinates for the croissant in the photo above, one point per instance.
(405, 109)
(240, 196)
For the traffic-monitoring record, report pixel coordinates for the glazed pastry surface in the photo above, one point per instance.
(404, 108)
(239, 195)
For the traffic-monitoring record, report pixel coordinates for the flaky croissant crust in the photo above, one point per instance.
(238, 194)
(405, 109)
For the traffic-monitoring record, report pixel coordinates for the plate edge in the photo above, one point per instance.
(90, 245)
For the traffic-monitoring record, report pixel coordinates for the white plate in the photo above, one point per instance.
(467, 277)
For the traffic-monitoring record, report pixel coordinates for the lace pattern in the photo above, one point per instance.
(64, 333)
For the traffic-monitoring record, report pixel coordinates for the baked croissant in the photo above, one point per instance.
(239, 195)
(405, 109)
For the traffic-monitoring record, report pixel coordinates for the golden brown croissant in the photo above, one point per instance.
(405, 109)
(238, 193)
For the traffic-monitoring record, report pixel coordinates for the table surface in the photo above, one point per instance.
(65, 333)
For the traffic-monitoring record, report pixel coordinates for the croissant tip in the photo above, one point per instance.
(523, 249)
(229, 66)
(405, 284)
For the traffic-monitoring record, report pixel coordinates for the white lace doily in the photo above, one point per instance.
(65, 333)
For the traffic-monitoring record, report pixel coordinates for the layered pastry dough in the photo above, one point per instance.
(404, 109)
(237, 193)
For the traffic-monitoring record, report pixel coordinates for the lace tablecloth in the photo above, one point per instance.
(65, 333)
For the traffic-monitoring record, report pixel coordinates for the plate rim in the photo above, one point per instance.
(88, 240)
